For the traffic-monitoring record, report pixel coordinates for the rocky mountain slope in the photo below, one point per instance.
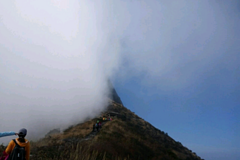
(127, 136)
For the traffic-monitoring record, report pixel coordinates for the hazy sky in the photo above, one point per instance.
(175, 63)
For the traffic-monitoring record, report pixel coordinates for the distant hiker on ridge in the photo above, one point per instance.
(3, 134)
(97, 125)
(18, 148)
(100, 125)
(94, 127)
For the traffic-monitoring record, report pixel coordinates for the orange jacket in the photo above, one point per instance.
(25, 144)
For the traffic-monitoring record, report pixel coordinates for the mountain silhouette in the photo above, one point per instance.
(113, 93)
(123, 136)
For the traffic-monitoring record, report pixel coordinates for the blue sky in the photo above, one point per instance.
(174, 63)
(202, 118)
(189, 85)
(196, 101)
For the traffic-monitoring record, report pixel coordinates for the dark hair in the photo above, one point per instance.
(22, 133)
(21, 138)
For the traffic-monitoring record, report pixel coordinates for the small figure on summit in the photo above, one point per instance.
(94, 126)
(97, 125)
(100, 125)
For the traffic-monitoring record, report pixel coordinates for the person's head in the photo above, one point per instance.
(22, 133)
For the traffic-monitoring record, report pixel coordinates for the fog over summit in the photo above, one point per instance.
(55, 63)
(56, 56)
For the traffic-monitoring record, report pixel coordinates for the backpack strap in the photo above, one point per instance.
(16, 142)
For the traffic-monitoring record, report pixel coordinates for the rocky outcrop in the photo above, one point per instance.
(52, 132)
(113, 93)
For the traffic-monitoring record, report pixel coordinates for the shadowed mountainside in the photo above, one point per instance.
(127, 136)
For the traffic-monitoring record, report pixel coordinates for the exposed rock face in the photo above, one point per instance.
(113, 93)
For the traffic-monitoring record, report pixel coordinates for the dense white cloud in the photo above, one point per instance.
(52, 67)
(55, 56)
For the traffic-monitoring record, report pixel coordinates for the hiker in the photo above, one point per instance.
(94, 127)
(100, 125)
(97, 126)
(18, 147)
(11, 133)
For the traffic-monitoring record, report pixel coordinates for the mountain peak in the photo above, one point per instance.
(126, 136)
(113, 93)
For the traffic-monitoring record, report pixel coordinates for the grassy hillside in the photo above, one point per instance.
(126, 137)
